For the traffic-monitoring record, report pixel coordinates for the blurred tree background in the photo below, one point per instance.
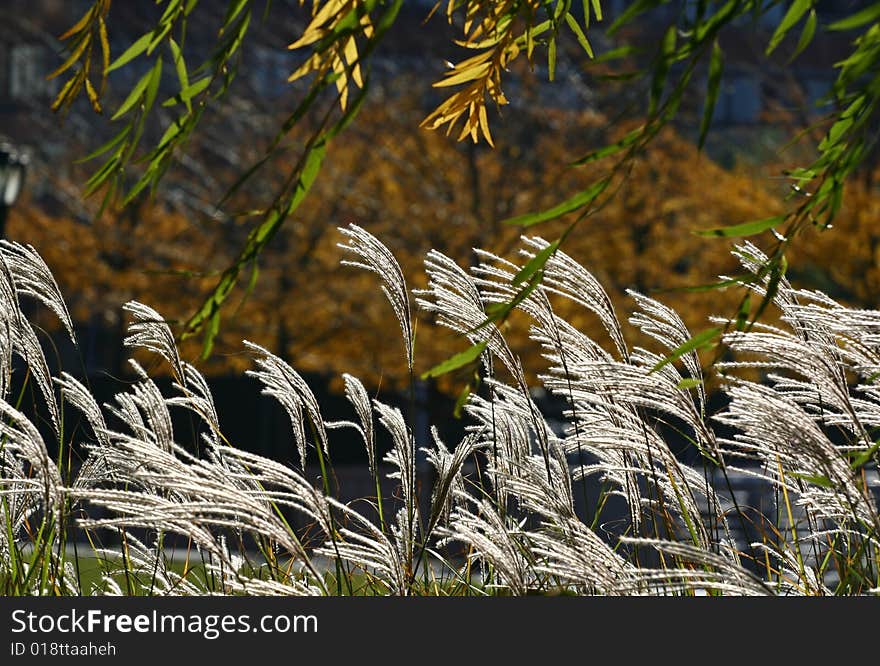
(418, 189)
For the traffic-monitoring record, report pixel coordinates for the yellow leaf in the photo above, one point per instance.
(105, 51)
(484, 125)
(73, 57)
(93, 96)
(70, 89)
(79, 25)
(351, 57)
(463, 76)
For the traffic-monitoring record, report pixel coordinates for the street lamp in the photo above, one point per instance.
(13, 165)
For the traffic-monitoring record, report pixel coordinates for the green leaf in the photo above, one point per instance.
(536, 263)
(134, 96)
(210, 335)
(689, 383)
(180, 67)
(551, 60)
(112, 143)
(251, 286)
(778, 265)
(857, 20)
(744, 229)
(146, 179)
(865, 456)
(706, 29)
(739, 281)
(569, 205)
(131, 52)
(807, 35)
(310, 171)
(177, 126)
(498, 311)
(818, 480)
(461, 400)
(579, 34)
(616, 54)
(628, 140)
(233, 10)
(661, 68)
(742, 315)
(388, 18)
(468, 356)
(185, 96)
(797, 9)
(837, 131)
(716, 67)
(93, 184)
(153, 84)
(159, 34)
(699, 341)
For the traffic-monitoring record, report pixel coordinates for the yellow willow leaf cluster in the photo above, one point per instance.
(81, 38)
(346, 19)
(490, 26)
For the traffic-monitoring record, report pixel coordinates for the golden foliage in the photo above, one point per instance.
(416, 191)
(81, 41)
(500, 30)
(344, 20)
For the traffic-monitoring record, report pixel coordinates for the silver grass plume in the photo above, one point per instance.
(493, 540)
(23, 272)
(662, 323)
(564, 547)
(509, 428)
(447, 467)
(26, 345)
(149, 330)
(564, 276)
(376, 258)
(796, 453)
(196, 498)
(806, 381)
(360, 400)
(239, 575)
(32, 277)
(368, 548)
(753, 259)
(807, 424)
(453, 296)
(288, 387)
(196, 397)
(94, 469)
(11, 319)
(496, 279)
(79, 397)
(22, 443)
(792, 576)
(144, 410)
(402, 458)
(699, 571)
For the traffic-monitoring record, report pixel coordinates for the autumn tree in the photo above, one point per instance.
(494, 39)
(419, 191)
